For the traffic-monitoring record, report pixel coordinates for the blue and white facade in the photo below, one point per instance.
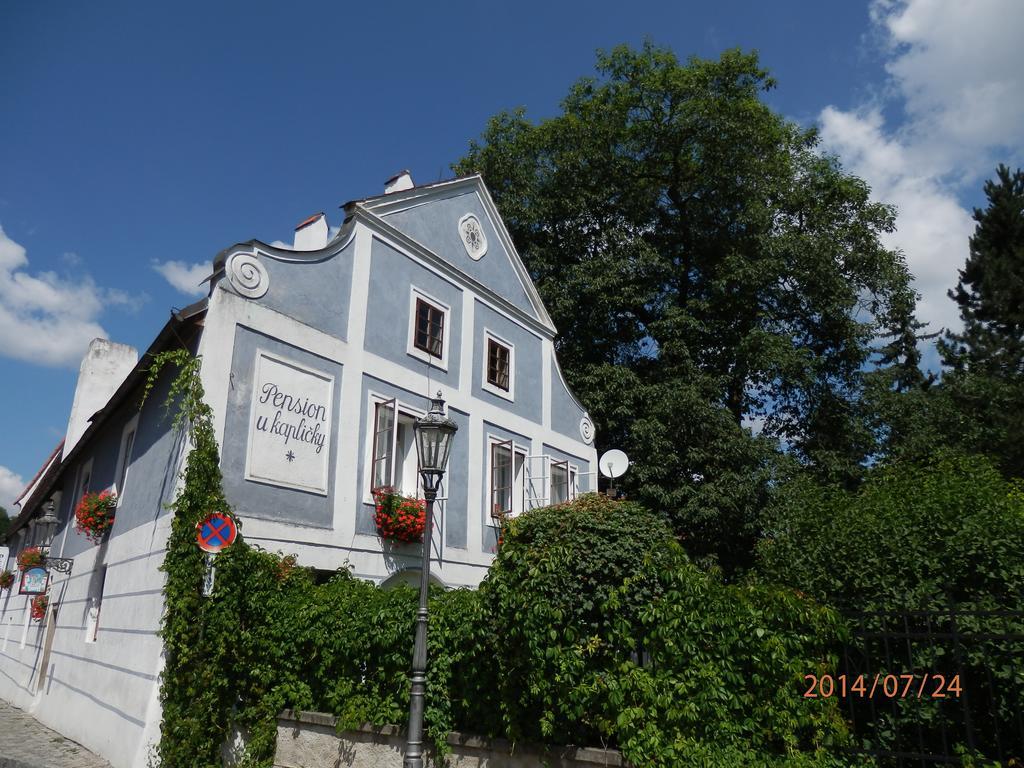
(315, 361)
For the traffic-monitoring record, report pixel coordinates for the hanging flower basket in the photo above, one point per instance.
(30, 557)
(39, 606)
(6, 579)
(94, 515)
(398, 517)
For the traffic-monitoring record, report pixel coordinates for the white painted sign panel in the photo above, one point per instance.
(290, 425)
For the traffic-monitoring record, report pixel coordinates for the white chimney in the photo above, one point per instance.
(104, 368)
(311, 235)
(400, 182)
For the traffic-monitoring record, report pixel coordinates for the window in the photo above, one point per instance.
(429, 334)
(125, 457)
(428, 329)
(560, 488)
(383, 444)
(84, 479)
(393, 457)
(501, 479)
(507, 463)
(499, 366)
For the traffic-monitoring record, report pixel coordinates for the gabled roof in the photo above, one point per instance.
(52, 461)
(380, 206)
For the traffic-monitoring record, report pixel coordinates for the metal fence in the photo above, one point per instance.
(926, 688)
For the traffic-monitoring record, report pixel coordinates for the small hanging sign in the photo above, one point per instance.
(34, 581)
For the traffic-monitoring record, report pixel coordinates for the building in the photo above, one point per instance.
(316, 361)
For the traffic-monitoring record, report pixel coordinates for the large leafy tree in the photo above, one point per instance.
(709, 271)
(5, 523)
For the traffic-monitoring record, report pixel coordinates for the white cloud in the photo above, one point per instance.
(185, 277)
(11, 486)
(957, 76)
(47, 319)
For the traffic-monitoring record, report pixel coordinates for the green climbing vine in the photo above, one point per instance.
(270, 637)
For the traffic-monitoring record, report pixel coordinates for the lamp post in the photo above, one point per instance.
(434, 433)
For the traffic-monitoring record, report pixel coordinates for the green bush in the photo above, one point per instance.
(608, 634)
(914, 536)
(943, 536)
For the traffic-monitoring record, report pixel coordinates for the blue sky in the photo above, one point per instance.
(136, 140)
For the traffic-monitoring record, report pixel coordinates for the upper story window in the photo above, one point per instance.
(428, 329)
(84, 479)
(393, 457)
(124, 459)
(499, 366)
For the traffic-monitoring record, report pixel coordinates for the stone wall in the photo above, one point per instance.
(310, 740)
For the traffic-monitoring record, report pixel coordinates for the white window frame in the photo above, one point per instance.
(563, 463)
(403, 411)
(446, 329)
(519, 451)
(82, 486)
(487, 386)
(124, 459)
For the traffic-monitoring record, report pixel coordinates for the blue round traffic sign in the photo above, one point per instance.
(216, 532)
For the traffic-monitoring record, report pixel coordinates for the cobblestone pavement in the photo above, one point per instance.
(27, 743)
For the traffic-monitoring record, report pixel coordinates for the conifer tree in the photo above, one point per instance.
(990, 292)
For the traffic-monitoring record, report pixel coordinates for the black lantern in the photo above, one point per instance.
(434, 434)
(47, 524)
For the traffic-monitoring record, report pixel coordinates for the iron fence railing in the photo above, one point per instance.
(925, 688)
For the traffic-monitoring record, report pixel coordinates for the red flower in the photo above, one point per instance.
(39, 606)
(398, 517)
(30, 557)
(94, 515)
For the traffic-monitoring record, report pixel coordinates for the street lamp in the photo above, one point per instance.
(47, 523)
(434, 433)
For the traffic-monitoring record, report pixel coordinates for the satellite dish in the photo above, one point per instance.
(613, 463)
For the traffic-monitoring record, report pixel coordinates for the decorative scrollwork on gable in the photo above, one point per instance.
(473, 237)
(247, 275)
(587, 429)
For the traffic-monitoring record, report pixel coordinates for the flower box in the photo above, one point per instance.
(399, 518)
(30, 557)
(94, 515)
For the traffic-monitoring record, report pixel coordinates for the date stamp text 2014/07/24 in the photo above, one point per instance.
(926, 686)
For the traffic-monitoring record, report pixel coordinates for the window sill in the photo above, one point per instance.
(498, 391)
(424, 357)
